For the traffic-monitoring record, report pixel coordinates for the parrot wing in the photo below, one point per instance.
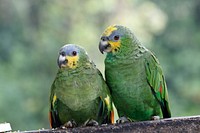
(157, 83)
(106, 112)
(53, 113)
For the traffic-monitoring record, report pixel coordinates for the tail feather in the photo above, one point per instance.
(50, 119)
(112, 118)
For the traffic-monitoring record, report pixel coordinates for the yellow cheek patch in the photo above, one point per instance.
(72, 61)
(109, 30)
(114, 45)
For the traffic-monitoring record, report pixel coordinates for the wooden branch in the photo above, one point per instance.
(179, 124)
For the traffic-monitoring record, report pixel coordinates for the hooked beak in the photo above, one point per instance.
(104, 45)
(62, 61)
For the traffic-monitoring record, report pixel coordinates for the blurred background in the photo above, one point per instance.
(32, 32)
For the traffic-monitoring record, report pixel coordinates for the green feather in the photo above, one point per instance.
(134, 78)
(78, 93)
(156, 81)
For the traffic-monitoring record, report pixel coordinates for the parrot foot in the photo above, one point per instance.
(91, 123)
(70, 124)
(123, 120)
(155, 118)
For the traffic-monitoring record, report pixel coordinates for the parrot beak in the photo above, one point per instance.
(61, 61)
(104, 46)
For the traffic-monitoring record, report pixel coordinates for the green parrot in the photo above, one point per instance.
(79, 95)
(134, 77)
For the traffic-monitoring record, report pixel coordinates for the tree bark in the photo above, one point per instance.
(171, 125)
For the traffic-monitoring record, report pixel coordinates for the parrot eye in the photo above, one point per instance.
(74, 53)
(62, 53)
(116, 37)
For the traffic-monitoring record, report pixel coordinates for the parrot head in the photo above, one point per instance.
(70, 56)
(115, 39)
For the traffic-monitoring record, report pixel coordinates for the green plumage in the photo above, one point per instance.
(134, 77)
(78, 93)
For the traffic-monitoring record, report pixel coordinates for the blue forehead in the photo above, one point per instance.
(68, 48)
(116, 32)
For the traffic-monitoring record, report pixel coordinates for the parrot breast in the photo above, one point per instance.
(77, 91)
(130, 91)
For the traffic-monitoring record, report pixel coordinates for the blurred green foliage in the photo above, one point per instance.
(32, 31)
